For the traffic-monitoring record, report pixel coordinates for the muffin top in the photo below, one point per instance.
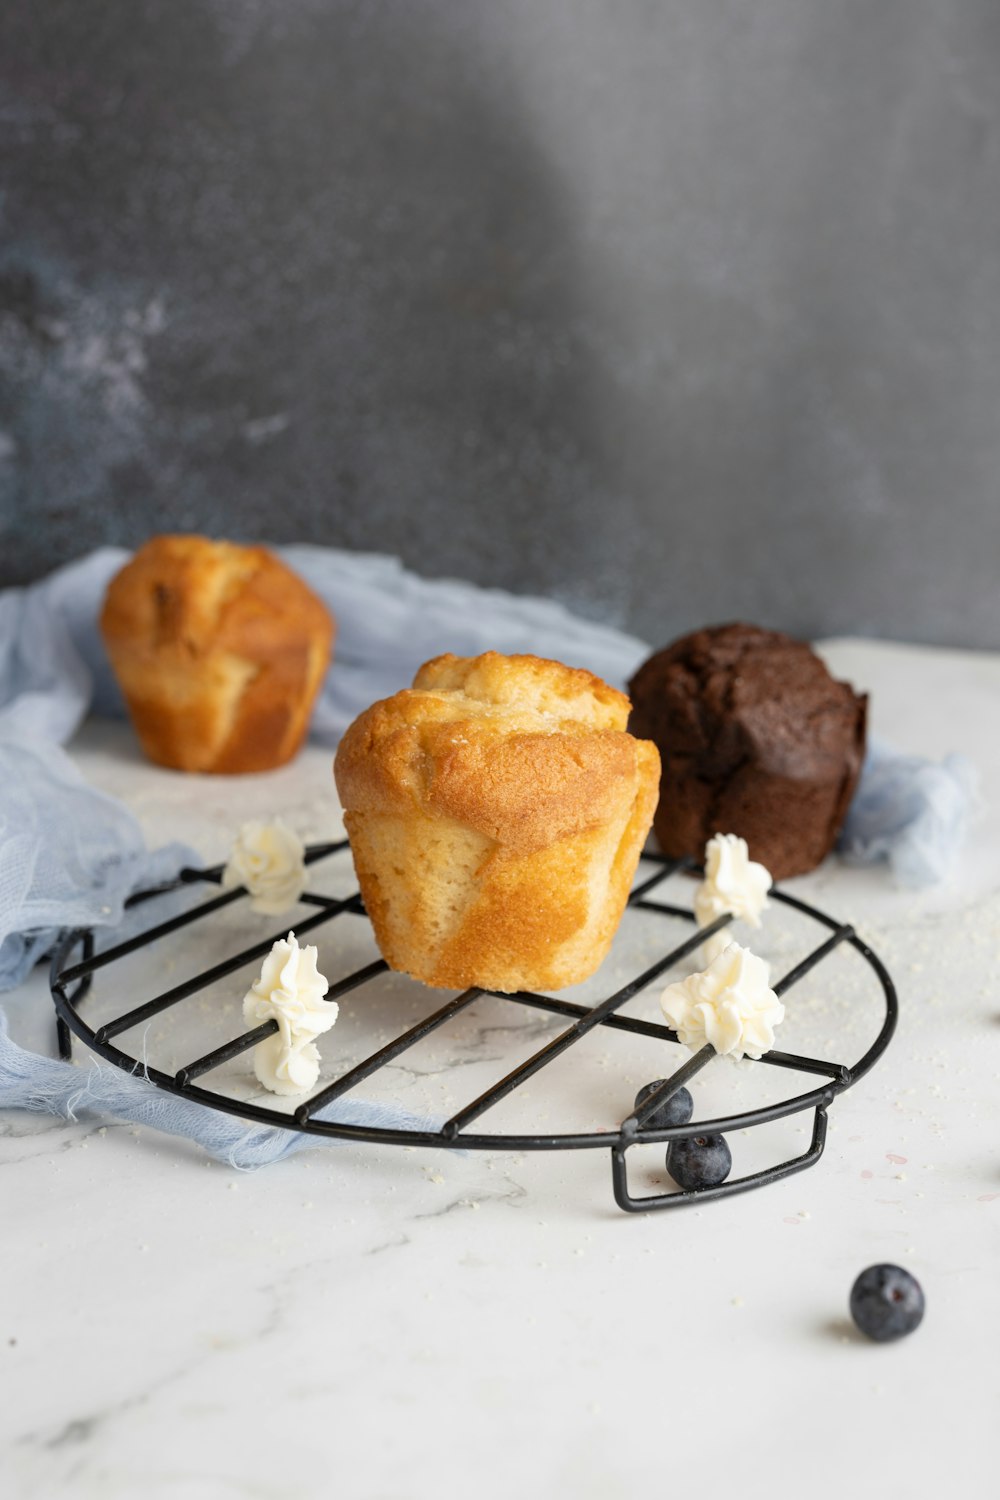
(504, 688)
(521, 749)
(736, 693)
(184, 596)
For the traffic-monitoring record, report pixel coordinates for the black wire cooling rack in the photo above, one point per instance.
(71, 980)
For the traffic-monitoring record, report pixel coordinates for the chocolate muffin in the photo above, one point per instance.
(756, 738)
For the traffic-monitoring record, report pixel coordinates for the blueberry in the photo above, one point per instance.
(676, 1110)
(699, 1161)
(886, 1303)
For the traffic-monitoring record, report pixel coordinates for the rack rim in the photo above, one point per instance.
(69, 1020)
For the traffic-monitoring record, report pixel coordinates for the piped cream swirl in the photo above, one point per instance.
(730, 1005)
(733, 883)
(290, 990)
(268, 858)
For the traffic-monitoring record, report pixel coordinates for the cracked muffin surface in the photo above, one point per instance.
(496, 812)
(220, 651)
(756, 738)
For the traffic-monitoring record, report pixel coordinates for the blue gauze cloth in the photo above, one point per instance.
(69, 855)
(910, 812)
(53, 666)
(43, 1084)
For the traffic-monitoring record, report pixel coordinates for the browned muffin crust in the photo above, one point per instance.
(756, 737)
(496, 812)
(220, 651)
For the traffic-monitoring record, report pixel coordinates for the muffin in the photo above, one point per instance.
(219, 650)
(757, 739)
(496, 813)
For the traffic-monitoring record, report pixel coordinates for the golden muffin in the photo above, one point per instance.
(220, 651)
(496, 812)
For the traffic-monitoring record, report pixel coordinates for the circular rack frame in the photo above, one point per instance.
(71, 980)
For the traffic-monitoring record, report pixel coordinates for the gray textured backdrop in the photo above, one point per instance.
(675, 311)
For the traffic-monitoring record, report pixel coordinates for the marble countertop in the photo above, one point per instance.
(392, 1323)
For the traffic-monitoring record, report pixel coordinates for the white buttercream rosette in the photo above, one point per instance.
(290, 990)
(268, 858)
(733, 883)
(730, 1005)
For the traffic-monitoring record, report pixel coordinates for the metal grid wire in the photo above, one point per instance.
(71, 980)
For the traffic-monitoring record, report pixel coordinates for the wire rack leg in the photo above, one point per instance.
(64, 1040)
(64, 1037)
(625, 1200)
